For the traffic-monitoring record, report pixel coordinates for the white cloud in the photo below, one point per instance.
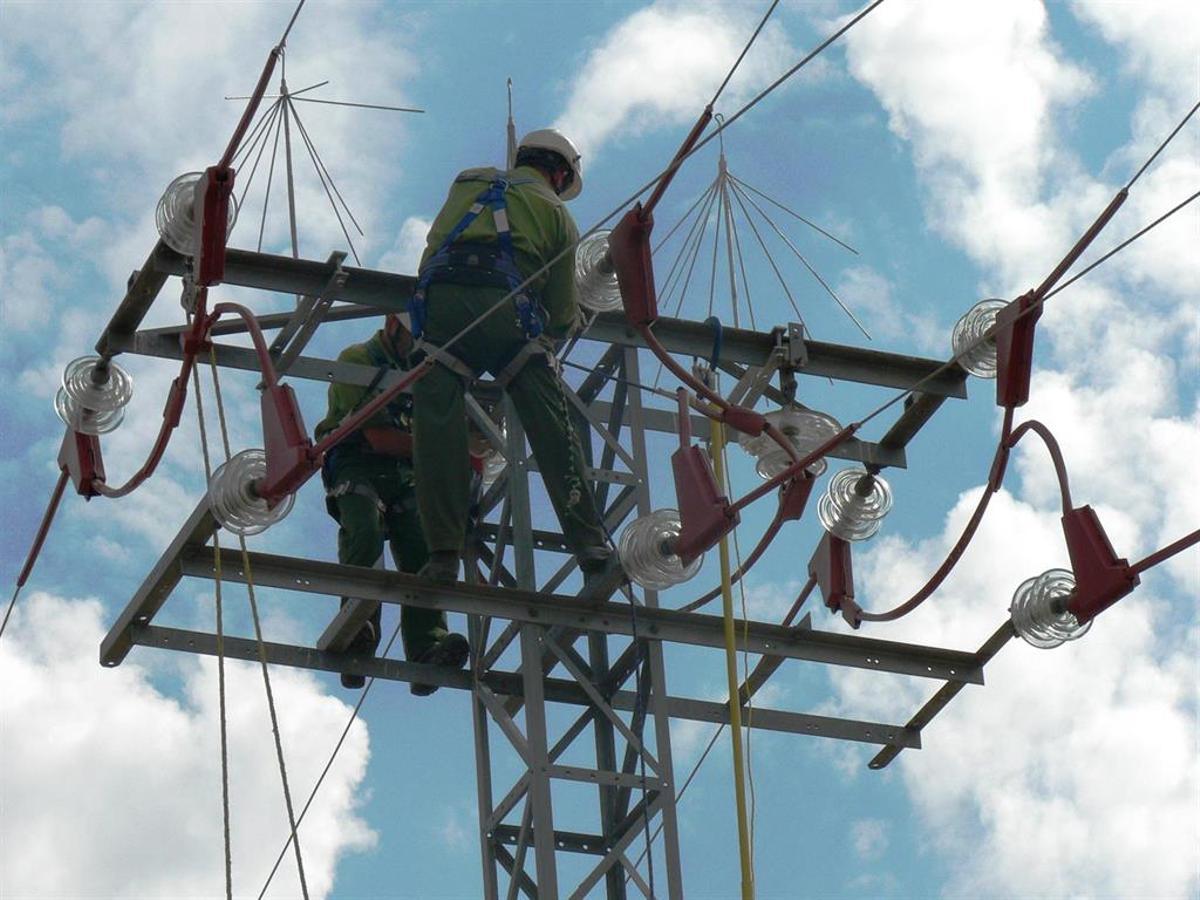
(1075, 761)
(661, 65)
(100, 761)
(405, 254)
(870, 295)
(869, 837)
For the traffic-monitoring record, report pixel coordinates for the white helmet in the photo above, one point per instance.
(554, 140)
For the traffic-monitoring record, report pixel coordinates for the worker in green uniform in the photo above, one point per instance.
(496, 229)
(369, 491)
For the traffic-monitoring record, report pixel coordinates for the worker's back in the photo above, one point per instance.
(541, 229)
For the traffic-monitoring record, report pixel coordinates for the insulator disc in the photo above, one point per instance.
(807, 430)
(233, 500)
(846, 513)
(90, 407)
(175, 215)
(595, 278)
(646, 554)
(977, 358)
(1038, 610)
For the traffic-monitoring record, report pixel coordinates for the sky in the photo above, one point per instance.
(961, 149)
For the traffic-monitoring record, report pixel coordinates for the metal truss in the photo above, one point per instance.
(553, 676)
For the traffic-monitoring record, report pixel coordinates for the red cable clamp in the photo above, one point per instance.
(794, 496)
(1101, 579)
(1014, 349)
(211, 203)
(704, 513)
(831, 567)
(744, 420)
(629, 249)
(79, 456)
(285, 439)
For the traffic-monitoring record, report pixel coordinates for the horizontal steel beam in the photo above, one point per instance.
(157, 587)
(557, 690)
(389, 292)
(313, 576)
(942, 698)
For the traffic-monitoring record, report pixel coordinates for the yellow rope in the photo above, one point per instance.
(735, 715)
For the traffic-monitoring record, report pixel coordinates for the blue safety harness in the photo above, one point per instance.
(479, 263)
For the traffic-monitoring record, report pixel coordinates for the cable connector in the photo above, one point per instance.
(1101, 578)
(289, 450)
(1014, 348)
(79, 456)
(831, 566)
(629, 250)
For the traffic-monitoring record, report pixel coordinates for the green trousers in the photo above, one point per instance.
(373, 500)
(440, 427)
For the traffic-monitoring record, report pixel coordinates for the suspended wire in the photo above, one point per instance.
(951, 363)
(815, 274)
(1121, 246)
(220, 628)
(288, 30)
(1162, 146)
(329, 763)
(262, 654)
(745, 50)
(792, 213)
(671, 167)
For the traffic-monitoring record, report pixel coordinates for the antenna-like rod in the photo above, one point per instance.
(512, 132)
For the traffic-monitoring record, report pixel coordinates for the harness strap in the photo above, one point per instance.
(447, 359)
(524, 355)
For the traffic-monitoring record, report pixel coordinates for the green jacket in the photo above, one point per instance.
(541, 228)
(345, 398)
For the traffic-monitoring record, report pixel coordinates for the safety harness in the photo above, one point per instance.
(399, 409)
(481, 264)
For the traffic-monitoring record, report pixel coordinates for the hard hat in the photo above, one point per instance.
(554, 140)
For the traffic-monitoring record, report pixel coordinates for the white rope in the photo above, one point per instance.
(262, 650)
(220, 644)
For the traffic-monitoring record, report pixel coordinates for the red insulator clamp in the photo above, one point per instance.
(704, 512)
(794, 496)
(629, 248)
(1101, 579)
(79, 456)
(744, 420)
(1014, 349)
(832, 568)
(285, 439)
(212, 204)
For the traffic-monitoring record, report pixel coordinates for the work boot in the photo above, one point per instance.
(442, 567)
(450, 652)
(364, 644)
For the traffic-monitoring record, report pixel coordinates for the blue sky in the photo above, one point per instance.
(960, 148)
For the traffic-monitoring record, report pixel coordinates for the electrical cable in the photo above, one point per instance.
(742, 55)
(38, 539)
